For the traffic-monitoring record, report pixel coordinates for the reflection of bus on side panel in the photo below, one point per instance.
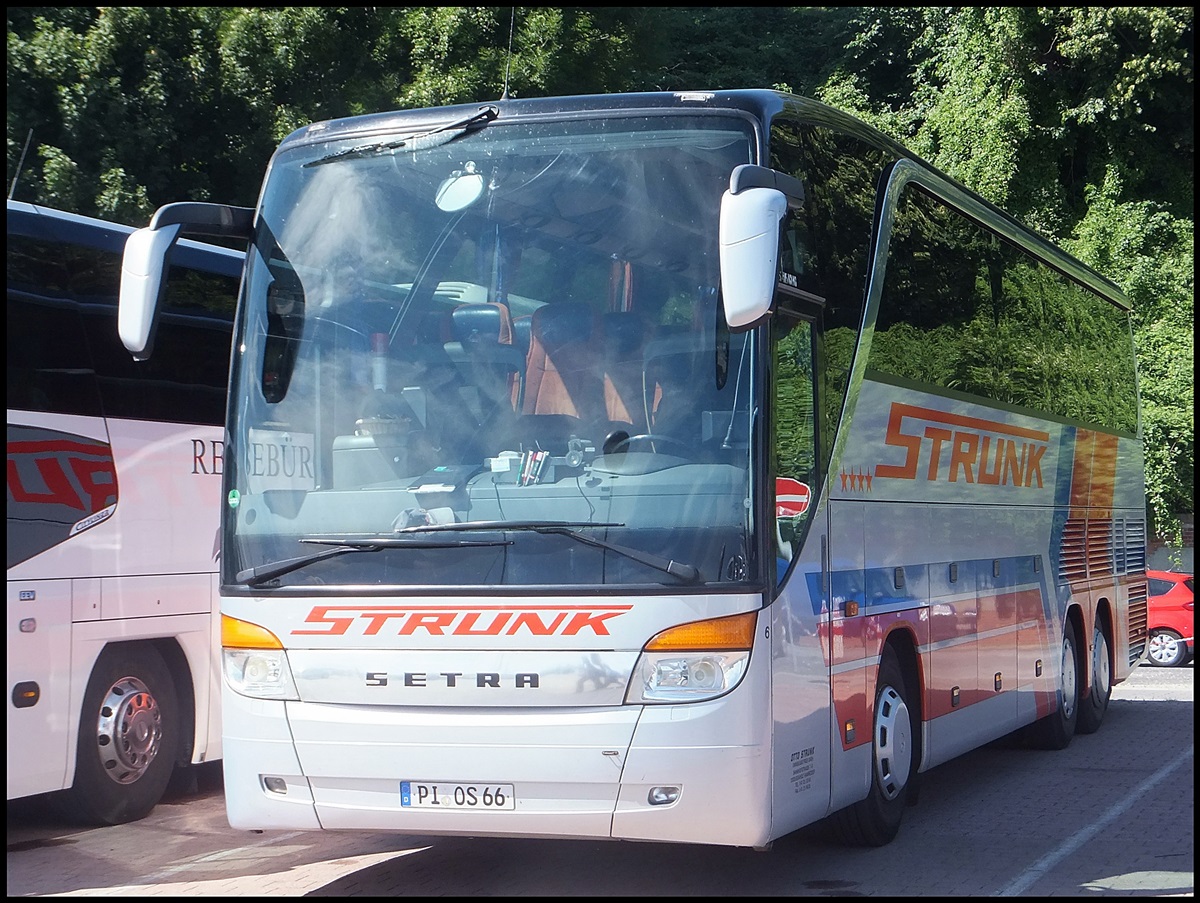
(682, 467)
(113, 495)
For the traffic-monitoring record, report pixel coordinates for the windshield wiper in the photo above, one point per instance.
(256, 576)
(685, 572)
(443, 134)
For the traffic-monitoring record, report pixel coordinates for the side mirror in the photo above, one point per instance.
(749, 243)
(143, 270)
(751, 211)
(148, 254)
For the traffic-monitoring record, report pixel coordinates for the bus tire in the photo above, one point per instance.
(1093, 706)
(1054, 731)
(875, 821)
(128, 737)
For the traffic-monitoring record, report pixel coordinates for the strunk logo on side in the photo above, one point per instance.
(939, 446)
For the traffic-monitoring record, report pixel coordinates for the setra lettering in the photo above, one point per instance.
(419, 679)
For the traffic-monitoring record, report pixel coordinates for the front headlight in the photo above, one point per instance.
(693, 662)
(254, 662)
(663, 677)
(259, 673)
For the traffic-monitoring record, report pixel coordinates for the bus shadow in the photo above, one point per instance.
(1006, 781)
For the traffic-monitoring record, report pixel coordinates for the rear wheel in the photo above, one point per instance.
(128, 736)
(1093, 706)
(875, 821)
(1055, 730)
(1167, 648)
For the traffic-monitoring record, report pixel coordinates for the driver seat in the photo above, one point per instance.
(562, 376)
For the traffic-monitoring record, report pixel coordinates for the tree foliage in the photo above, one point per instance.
(1079, 120)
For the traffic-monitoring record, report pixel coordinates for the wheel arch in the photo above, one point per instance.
(185, 693)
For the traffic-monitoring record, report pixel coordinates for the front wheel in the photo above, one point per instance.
(875, 821)
(128, 735)
(1167, 648)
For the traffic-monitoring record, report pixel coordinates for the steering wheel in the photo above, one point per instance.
(653, 439)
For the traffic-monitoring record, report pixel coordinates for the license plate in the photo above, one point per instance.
(429, 795)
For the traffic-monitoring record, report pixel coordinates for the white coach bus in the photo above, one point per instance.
(114, 480)
(682, 467)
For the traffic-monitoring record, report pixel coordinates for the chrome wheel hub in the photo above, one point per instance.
(129, 730)
(1101, 669)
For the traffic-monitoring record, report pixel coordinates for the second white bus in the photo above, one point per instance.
(114, 477)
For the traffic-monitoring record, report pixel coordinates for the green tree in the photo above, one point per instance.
(1155, 252)
(723, 47)
(134, 107)
(461, 54)
(1079, 120)
(119, 119)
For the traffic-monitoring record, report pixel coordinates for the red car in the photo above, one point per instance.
(1172, 632)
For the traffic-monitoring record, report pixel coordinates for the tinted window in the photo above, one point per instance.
(49, 362)
(964, 310)
(829, 244)
(1158, 587)
(63, 345)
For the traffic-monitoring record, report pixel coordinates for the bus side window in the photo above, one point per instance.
(50, 366)
(794, 443)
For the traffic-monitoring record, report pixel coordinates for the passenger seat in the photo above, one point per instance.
(624, 393)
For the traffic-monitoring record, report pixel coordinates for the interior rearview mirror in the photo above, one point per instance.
(460, 190)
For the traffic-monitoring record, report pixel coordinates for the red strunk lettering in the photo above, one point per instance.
(955, 448)
(476, 621)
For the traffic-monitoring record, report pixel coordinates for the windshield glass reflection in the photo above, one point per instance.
(519, 325)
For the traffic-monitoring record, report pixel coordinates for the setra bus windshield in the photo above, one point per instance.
(492, 354)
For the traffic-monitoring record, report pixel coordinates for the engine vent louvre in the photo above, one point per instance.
(1138, 621)
(1130, 547)
(1072, 560)
(1099, 548)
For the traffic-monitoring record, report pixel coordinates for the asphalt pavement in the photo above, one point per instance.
(1112, 815)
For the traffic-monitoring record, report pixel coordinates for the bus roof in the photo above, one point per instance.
(37, 221)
